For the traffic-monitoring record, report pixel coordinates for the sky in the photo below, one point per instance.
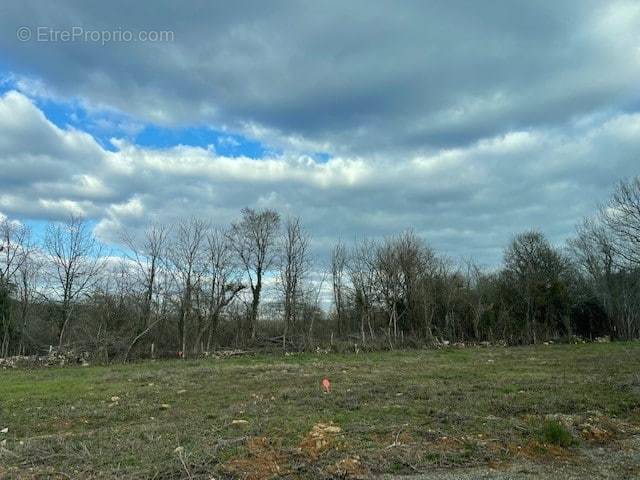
(465, 121)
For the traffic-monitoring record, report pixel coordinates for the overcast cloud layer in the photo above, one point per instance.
(467, 121)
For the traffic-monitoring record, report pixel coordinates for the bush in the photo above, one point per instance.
(556, 433)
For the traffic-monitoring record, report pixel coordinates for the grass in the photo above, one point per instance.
(254, 417)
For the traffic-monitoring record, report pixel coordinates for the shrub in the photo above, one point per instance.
(556, 433)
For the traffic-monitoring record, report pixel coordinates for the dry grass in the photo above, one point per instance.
(267, 417)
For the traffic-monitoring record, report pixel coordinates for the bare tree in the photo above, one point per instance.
(593, 249)
(313, 293)
(111, 311)
(14, 251)
(338, 266)
(77, 259)
(253, 238)
(536, 270)
(14, 237)
(222, 280)
(475, 288)
(614, 282)
(27, 278)
(362, 270)
(405, 268)
(389, 282)
(622, 216)
(188, 261)
(148, 256)
(294, 266)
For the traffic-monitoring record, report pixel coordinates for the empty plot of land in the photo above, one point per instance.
(452, 413)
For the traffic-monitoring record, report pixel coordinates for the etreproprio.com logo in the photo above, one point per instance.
(46, 34)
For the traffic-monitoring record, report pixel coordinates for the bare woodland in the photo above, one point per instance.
(192, 287)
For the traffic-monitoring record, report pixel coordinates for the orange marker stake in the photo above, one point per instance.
(326, 385)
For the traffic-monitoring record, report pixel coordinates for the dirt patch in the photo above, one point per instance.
(262, 462)
(534, 450)
(595, 434)
(322, 437)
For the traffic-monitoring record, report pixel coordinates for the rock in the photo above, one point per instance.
(54, 357)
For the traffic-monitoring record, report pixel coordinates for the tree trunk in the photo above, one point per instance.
(23, 327)
(66, 317)
(213, 327)
(284, 332)
(254, 305)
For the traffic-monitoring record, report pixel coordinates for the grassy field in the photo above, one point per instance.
(398, 413)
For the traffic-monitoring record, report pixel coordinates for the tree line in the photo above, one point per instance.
(192, 287)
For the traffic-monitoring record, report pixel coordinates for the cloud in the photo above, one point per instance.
(228, 141)
(356, 79)
(465, 121)
(466, 200)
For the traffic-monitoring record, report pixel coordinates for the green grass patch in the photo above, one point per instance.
(397, 411)
(555, 433)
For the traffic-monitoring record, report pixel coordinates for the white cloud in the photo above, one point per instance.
(466, 200)
(228, 141)
(334, 77)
